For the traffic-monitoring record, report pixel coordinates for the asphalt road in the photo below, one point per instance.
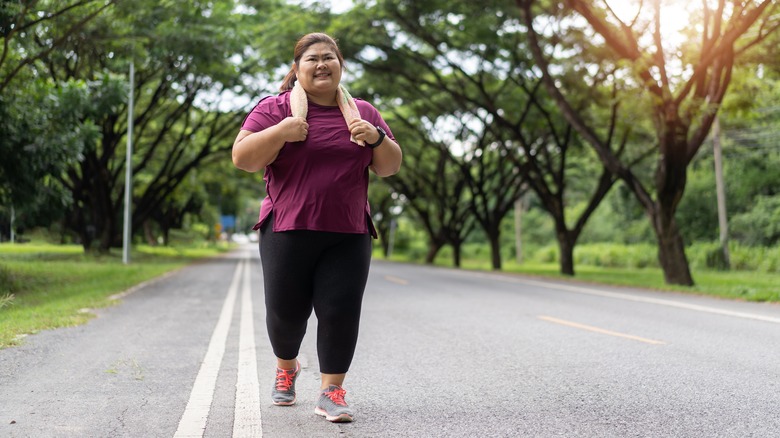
(442, 353)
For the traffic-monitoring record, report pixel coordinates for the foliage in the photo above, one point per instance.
(46, 130)
(682, 86)
(181, 121)
(750, 122)
(760, 225)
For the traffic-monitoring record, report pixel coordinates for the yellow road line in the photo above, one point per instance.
(396, 280)
(599, 330)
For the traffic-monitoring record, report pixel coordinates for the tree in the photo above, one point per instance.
(467, 60)
(51, 22)
(42, 128)
(682, 102)
(384, 211)
(494, 184)
(180, 123)
(434, 188)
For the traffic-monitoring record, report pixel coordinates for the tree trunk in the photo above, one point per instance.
(670, 181)
(671, 250)
(495, 251)
(148, 233)
(566, 249)
(384, 240)
(385, 233)
(106, 238)
(433, 249)
(456, 255)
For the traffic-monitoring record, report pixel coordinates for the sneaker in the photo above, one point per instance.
(332, 406)
(283, 393)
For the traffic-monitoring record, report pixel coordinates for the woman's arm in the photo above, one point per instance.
(387, 155)
(252, 151)
(387, 158)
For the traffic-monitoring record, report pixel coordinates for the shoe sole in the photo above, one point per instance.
(342, 418)
(290, 403)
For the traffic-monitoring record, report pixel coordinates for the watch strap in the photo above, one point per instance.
(381, 138)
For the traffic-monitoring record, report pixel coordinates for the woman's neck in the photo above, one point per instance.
(328, 99)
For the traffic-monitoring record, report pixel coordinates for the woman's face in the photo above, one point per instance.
(319, 70)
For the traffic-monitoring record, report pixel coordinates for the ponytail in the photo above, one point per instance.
(289, 80)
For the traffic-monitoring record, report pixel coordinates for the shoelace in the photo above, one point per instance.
(337, 396)
(284, 379)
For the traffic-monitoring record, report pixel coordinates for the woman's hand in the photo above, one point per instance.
(363, 130)
(252, 151)
(294, 129)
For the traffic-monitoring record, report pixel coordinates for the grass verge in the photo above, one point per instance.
(741, 285)
(50, 286)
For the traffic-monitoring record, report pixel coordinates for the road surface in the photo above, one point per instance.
(442, 353)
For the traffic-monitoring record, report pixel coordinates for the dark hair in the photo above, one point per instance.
(302, 46)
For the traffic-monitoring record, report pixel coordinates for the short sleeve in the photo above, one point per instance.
(372, 115)
(268, 112)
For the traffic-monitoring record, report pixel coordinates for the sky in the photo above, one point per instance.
(674, 16)
(339, 6)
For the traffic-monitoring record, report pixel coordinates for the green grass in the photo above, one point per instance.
(50, 286)
(742, 285)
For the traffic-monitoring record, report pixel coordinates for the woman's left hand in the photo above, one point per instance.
(363, 130)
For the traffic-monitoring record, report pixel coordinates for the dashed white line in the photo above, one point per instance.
(193, 421)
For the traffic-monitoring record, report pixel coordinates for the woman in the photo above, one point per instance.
(316, 144)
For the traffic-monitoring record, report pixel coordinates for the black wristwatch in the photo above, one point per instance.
(382, 135)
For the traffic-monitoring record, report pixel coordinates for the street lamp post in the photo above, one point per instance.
(128, 170)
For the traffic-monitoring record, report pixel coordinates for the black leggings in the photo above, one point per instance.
(327, 272)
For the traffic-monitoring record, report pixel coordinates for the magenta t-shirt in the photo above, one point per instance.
(320, 183)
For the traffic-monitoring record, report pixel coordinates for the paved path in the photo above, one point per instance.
(442, 353)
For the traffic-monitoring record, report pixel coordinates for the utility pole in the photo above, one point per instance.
(128, 171)
(721, 192)
(518, 230)
(13, 219)
(391, 238)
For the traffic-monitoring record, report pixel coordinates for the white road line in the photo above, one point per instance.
(247, 414)
(657, 301)
(193, 421)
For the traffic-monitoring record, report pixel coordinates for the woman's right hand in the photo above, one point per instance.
(294, 129)
(253, 151)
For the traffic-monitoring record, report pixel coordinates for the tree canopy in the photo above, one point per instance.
(584, 106)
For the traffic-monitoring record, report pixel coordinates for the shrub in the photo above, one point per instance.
(704, 255)
(7, 286)
(6, 300)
